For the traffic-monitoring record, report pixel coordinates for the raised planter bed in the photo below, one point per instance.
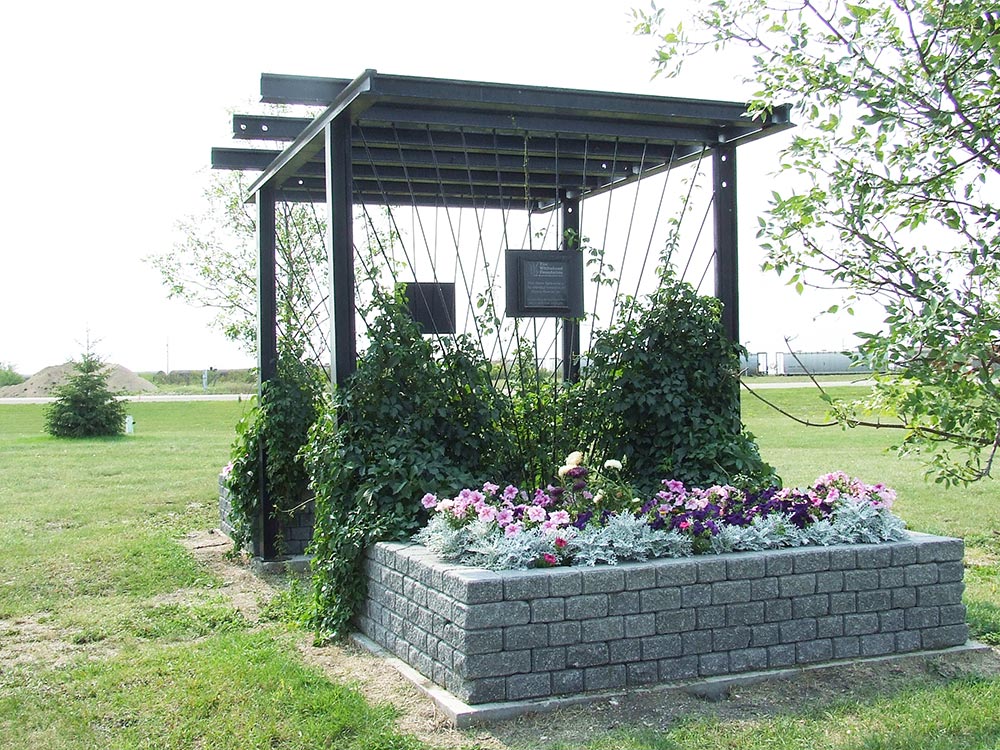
(491, 637)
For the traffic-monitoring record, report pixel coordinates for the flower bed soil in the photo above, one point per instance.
(490, 637)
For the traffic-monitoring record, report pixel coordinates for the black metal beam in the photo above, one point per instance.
(571, 326)
(311, 140)
(340, 210)
(306, 90)
(726, 234)
(266, 543)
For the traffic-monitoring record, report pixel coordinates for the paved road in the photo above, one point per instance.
(242, 396)
(146, 397)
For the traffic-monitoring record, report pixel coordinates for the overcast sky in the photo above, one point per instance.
(111, 109)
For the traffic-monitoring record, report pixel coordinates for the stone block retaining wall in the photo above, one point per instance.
(513, 635)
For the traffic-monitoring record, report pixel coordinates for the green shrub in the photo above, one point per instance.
(84, 407)
(417, 416)
(9, 376)
(662, 393)
(280, 422)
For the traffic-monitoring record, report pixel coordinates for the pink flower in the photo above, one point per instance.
(505, 517)
(549, 525)
(513, 529)
(559, 517)
(550, 558)
(509, 492)
(535, 513)
(490, 489)
(560, 542)
(684, 524)
(487, 512)
(429, 501)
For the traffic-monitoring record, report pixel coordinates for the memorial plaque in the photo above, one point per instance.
(544, 284)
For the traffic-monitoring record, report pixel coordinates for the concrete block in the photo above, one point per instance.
(793, 631)
(518, 637)
(504, 664)
(748, 613)
(711, 569)
(945, 636)
(625, 651)
(762, 589)
(710, 665)
(602, 629)
(728, 639)
(782, 655)
(861, 624)
(697, 595)
(567, 682)
(904, 598)
(847, 647)
(746, 565)
(940, 595)
(639, 576)
(624, 603)
(603, 580)
(765, 635)
(748, 659)
(587, 655)
(903, 553)
(523, 686)
(842, 558)
(637, 626)
(811, 560)
(587, 606)
(878, 600)
(711, 617)
(878, 644)
(552, 659)
(810, 652)
(829, 627)
(922, 617)
(730, 592)
(656, 600)
(797, 585)
(565, 582)
(696, 642)
(604, 678)
(495, 614)
(676, 621)
(661, 647)
(817, 605)
(552, 609)
(676, 572)
(564, 633)
(875, 556)
(830, 581)
(843, 603)
(524, 585)
(778, 610)
(780, 563)
(641, 673)
(680, 668)
(921, 574)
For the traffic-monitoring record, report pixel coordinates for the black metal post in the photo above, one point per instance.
(266, 544)
(726, 242)
(571, 327)
(340, 211)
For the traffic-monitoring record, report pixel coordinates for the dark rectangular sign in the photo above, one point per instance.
(544, 284)
(432, 306)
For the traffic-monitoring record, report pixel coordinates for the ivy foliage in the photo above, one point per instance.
(279, 424)
(84, 405)
(418, 415)
(665, 394)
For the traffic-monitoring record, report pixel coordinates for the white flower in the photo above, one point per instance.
(613, 464)
(563, 470)
(574, 459)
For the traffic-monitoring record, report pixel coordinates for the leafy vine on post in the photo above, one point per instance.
(894, 158)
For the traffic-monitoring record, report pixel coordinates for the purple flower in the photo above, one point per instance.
(490, 489)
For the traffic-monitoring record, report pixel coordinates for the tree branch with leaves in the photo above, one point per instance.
(892, 180)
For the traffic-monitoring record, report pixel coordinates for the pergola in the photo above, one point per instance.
(413, 141)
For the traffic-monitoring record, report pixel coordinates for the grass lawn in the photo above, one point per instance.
(112, 635)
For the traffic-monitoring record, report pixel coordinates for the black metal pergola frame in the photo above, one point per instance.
(416, 141)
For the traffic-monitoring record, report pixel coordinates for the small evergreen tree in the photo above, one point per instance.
(84, 406)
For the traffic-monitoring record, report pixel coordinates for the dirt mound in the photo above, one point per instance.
(43, 382)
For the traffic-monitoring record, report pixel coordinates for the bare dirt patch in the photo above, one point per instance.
(44, 382)
(653, 709)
